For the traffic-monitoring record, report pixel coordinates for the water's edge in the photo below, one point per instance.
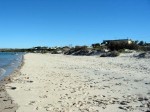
(5, 97)
(9, 69)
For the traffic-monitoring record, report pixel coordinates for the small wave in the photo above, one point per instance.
(10, 63)
(2, 71)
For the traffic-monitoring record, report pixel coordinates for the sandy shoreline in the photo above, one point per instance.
(81, 83)
(7, 104)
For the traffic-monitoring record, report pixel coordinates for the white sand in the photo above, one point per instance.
(81, 83)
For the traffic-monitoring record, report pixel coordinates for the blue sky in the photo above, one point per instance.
(28, 23)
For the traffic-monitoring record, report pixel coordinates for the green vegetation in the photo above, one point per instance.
(112, 48)
(110, 54)
(122, 45)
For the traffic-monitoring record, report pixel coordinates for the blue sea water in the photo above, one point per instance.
(9, 62)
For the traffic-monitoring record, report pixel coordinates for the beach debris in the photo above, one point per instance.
(145, 98)
(123, 108)
(30, 81)
(44, 96)
(31, 102)
(26, 77)
(123, 103)
(147, 83)
(142, 99)
(147, 111)
(9, 107)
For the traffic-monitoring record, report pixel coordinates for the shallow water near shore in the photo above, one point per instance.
(9, 62)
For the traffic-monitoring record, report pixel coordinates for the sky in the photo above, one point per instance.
(29, 23)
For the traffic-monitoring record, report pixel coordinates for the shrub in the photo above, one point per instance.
(114, 54)
(77, 48)
(97, 45)
(144, 55)
(104, 55)
(110, 54)
(122, 45)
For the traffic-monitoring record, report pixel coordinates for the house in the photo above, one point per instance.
(128, 41)
(41, 48)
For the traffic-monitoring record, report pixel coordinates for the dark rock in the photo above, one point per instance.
(141, 105)
(147, 83)
(140, 99)
(122, 108)
(147, 111)
(145, 98)
(30, 81)
(123, 103)
(13, 88)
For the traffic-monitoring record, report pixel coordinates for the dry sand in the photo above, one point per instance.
(81, 84)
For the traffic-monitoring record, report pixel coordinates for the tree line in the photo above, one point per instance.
(112, 46)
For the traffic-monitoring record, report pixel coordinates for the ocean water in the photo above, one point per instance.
(9, 62)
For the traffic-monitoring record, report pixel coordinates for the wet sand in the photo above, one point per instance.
(81, 84)
(6, 102)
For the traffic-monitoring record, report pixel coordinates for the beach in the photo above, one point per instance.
(65, 83)
(10, 63)
(6, 102)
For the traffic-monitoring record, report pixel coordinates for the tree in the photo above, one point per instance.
(96, 45)
(141, 43)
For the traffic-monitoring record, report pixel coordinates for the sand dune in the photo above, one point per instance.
(81, 84)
